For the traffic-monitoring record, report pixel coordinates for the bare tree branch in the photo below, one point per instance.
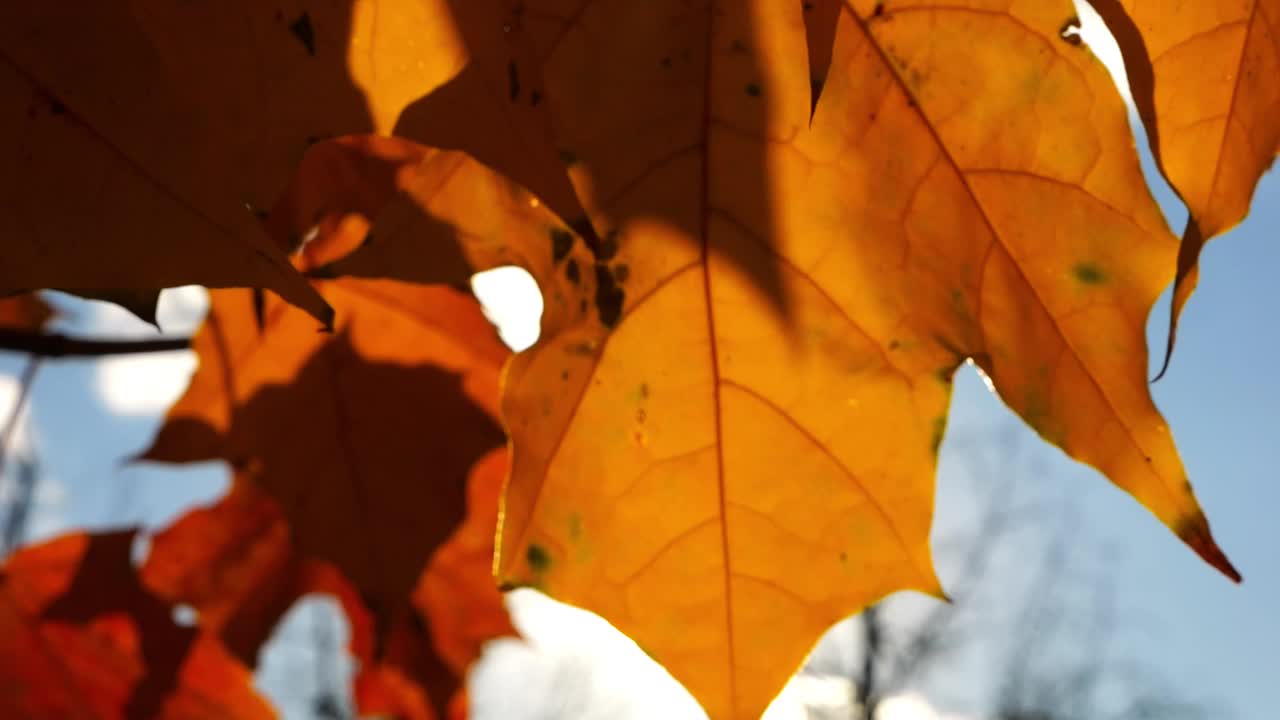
(58, 346)
(10, 426)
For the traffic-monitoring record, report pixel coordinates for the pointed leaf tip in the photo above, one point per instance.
(1194, 531)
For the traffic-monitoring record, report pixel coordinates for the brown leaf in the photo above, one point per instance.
(353, 453)
(142, 139)
(364, 438)
(234, 562)
(457, 609)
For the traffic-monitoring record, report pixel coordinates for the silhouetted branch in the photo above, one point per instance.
(57, 346)
(865, 694)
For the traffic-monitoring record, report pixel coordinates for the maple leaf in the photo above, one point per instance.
(1201, 76)
(143, 139)
(726, 439)
(80, 637)
(353, 450)
(234, 562)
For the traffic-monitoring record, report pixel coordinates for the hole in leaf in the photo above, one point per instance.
(185, 615)
(512, 301)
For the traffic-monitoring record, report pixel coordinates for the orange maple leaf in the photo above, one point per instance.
(743, 381)
(352, 453)
(80, 637)
(1202, 77)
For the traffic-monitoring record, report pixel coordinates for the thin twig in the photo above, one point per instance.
(10, 426)
(58, 346)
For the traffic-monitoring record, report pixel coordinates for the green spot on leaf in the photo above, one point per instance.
(538, 558)
(1089, 274)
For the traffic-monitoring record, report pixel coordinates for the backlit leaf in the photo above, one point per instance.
(726, 439)
(1203, 79)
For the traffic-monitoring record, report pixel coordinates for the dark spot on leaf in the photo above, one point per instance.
(56, 107)
(666, 61)
(608, 247)
(621, 272)
(609, 297)
(306, 34)
(753, 89)
(844, 556)
(571, 271)
(644, 391)
(535, 97)
(537, 558)
(878, 10)
(582, 306)
(807, 6)
(568, 158)
(513, 80)
(585, 230)
(894, 344)
(561, 244)
(580, 348)
(738, 46)
(1070, 31)
(564, 375)
(310, 140)
(1089, 274)
(944, 375)
(641, 415)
